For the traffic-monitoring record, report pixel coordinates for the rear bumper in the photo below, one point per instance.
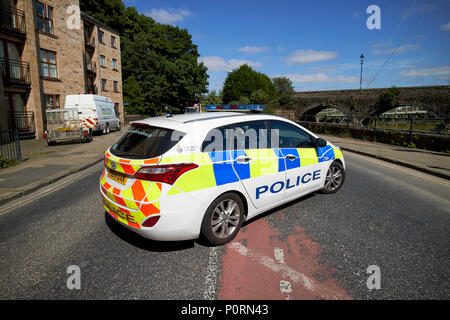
(180, 218)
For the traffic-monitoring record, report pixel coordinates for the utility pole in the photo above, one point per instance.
(361, 58)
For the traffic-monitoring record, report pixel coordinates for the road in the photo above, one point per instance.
(319, 246)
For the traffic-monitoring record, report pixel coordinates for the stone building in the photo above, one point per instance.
(48, 50)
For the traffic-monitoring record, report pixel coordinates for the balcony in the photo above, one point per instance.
(12, 21)
(23, 121)
(91, 67)
(91, 89)
(89, 43)
(15, 73)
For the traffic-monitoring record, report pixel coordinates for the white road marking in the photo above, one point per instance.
(279, 255)
(286, 272)
(285, 286)
(209, 292)
(400, 168)
(21, 201)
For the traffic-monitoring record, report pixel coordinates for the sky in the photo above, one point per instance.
(317, 44)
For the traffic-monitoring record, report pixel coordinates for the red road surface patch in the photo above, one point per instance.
(251, 270)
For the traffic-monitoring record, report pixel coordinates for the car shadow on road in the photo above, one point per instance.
(142, 243)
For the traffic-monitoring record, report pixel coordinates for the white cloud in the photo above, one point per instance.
(252, 49)
(323, 69)
(400, 49)
(446, 26)
(320, 78)
(427, 72)
(168, 16)
(308, 56)
(214, 63)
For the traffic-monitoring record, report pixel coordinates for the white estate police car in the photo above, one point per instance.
(191, 175)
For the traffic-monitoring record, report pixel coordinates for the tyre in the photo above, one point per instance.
(335, 178)
(119, 126)
(107, 128)
(223, 219)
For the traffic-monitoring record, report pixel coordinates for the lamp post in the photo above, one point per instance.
(361, 58)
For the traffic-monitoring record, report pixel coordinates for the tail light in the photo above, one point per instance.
(150, 222)
(166, 173)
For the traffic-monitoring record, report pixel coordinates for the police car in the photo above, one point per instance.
(202, 175)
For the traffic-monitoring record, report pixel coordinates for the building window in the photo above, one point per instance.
(113, 42)
(100, 36)
(44, 15)
(48, 63)
(51, 100)
(114, 64)
(102, 61)
(104, 85)
(116, 86)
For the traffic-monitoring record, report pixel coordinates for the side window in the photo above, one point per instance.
(237, 136)
(288, 136)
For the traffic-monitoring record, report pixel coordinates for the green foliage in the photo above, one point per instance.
(159, 62)
(285, 90)
(4, 163)
(389, 96)
(244, 85)
(211, 98)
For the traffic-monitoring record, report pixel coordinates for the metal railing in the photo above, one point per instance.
(89, 42)
(374, 126)
(15, 71)
(10, 145)
(22, 121)
(12, 19)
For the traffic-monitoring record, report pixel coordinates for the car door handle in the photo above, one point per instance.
(243, 159)
(291, 157)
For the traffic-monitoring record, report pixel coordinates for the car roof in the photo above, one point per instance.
(202, 123)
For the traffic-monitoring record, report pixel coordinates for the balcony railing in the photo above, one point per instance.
(12, 19)
(89, 43)
(23, 122)
(91, 66)
(15, 72)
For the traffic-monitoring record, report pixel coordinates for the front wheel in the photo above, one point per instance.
(335, 178)
(223, 219)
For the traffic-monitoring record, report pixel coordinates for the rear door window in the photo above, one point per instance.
(143, 142)
(237, 136)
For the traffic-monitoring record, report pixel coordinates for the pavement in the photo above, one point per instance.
(431, 162)
(46, 164)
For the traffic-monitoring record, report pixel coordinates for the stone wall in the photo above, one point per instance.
(366, 102)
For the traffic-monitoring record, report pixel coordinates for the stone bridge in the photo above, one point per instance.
(374, 102)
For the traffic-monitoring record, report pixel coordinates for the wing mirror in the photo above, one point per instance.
(320, 143)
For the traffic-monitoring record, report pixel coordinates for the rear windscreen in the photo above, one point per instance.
(143, 142)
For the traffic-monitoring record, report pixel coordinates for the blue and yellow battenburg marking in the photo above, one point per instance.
(219, 168)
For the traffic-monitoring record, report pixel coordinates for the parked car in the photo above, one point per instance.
(182, 177)
(96, 112)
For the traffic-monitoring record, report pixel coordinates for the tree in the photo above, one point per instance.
(159, 62)
(245, 84)
(286, 97)
(211, 98)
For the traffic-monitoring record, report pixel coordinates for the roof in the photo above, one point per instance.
(91, 19)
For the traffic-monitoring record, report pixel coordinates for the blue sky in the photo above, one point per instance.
(316, 44)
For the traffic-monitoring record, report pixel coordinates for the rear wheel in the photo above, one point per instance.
(335, 178)
(223, 219)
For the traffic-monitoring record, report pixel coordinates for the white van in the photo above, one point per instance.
(96, 112)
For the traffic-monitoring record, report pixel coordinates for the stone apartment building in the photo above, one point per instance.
(43, 60)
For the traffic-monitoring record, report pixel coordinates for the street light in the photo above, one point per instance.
(361, 58)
